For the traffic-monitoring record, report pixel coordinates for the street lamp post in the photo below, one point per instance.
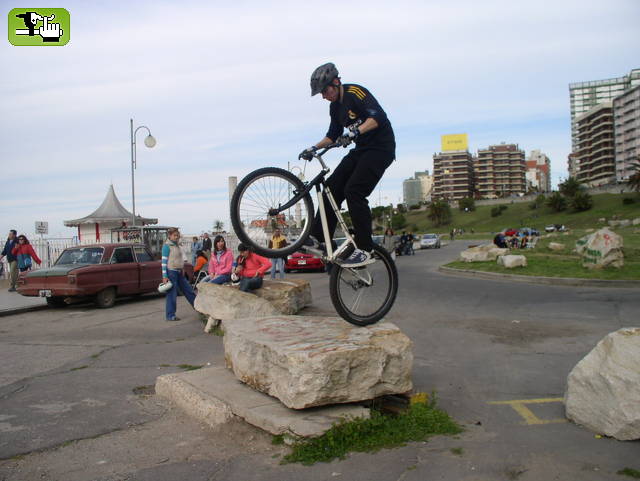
(150, 142)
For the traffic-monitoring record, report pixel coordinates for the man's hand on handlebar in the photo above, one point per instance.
(307, 154)
(347, 138)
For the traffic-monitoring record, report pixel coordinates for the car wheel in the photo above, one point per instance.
(322, 269)
(56, 302)
(106, 298)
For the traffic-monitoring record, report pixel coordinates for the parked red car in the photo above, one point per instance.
(101, 272)
(301, 261)
(511, 232)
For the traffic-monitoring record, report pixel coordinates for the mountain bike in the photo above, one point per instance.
(273, 198)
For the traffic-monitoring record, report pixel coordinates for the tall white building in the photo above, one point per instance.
(626, 118)
(418, 188)
(538, 171)
(586, 95)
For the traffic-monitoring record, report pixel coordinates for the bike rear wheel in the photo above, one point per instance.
(258, 193)
(357, 302)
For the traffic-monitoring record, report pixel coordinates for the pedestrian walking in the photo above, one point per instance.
(25, 254)
(277, 241)
(11, 259)
(173, 270)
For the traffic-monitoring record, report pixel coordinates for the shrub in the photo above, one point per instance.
(581, 201)
(439, 212)
(539, 202)
(503, 207)
(557, 202)
(628, 200)
(570, 187)
(496, 211)
(467, 204)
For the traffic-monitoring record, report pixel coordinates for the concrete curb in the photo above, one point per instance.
(554, 281)
(20, 310)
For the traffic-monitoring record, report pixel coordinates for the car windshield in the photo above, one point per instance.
(429, 236)
(81, 255)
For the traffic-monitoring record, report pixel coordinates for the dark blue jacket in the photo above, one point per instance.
(8, 247)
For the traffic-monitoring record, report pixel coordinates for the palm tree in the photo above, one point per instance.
(557, 202)
(218, 225)
(570, 187)
(634, 180)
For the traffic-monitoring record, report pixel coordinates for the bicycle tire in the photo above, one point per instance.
(239, 226)
(335, 286)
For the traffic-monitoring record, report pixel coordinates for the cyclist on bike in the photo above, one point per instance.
(354, 108)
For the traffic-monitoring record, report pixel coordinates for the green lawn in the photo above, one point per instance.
(541, 261)
(520, 215)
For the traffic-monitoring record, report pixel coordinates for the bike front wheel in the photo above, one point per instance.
(364, 295)
(253, 200)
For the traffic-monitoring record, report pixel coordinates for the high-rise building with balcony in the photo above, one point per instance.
(595, 150)
(626, 119)
(500, 171)
(586, 95)
(453, 175)
(418, 188)
(538, 172)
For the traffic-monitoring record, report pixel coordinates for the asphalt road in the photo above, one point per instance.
(76, 399)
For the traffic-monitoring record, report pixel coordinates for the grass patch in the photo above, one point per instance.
(541, 261)
(520, 215)
(189, 367)
(277, 439)
(419, 422)
(457, 451)
(217, 331)
(633, 473)
(78, 368)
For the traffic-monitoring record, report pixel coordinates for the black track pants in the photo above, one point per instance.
(354, 179)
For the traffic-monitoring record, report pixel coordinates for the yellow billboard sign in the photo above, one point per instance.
(454, 142)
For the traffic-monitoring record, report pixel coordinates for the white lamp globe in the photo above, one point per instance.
(150, 141)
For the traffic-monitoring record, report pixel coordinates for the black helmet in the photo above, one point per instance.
(322, 76)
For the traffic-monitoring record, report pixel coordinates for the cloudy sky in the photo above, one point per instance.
(224, 88)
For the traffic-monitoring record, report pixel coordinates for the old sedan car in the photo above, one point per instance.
(101, 272)
(301, 261)
(430, 241)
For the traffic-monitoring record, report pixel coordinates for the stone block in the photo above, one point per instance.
(603, 389)
(601, 249)
(274, 297)
(214, 396)
(512, 261)
(314, 361)
(483, 253)
(556, 246)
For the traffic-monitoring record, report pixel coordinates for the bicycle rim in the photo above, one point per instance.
(266, 189)
(359, 303)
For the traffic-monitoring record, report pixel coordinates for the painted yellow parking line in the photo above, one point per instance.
(519, 406)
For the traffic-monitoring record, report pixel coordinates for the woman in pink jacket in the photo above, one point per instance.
(221, 262)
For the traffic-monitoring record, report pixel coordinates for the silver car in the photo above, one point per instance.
(430, 241)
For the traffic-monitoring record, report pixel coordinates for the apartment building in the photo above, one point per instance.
(453, 175)
(595, 150)
(626, 120)
(538, 173)
(500, 171)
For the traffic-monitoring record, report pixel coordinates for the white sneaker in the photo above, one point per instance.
(358, 258)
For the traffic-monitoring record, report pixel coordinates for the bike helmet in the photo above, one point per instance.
(322, 76)
(165, 287)
(235, 280)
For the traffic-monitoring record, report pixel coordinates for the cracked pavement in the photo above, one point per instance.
(76, 398)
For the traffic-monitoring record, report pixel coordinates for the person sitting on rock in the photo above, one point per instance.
(250, 268)
(221, 263)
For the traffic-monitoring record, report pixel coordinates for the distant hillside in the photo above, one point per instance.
(520, 215)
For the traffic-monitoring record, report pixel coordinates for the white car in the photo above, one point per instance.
(430, 241)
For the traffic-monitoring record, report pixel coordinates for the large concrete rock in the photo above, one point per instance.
(274, 297)
(512, 261)
(603, 390)
(601, 249)
(556, 246)
(313, 361)
(483, 253)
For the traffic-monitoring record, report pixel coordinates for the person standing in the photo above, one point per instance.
(172, 270)
(25, 254)
(11, 259)
(196, 246)
(354, 108)
(251, 268)
(277, 241)
(206, 245)
(389, 242)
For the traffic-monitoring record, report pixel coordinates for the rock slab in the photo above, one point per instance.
(556, 246)
(274, 297)
(483, 253)
(603, 389)
(214, 396)
(601, 249)
(512, 261)
(307, 361)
